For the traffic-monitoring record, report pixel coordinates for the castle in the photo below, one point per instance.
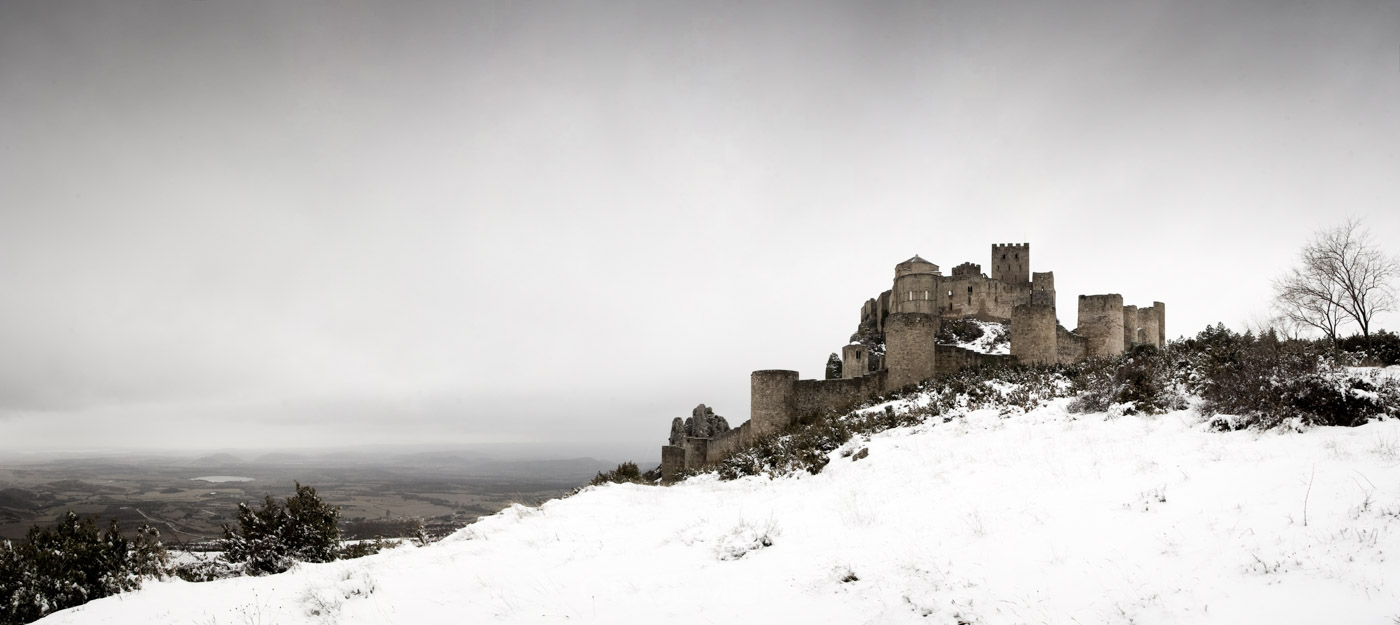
(896, 345)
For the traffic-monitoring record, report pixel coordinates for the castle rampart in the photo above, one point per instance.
(1101, 324)
(951, 359)
(1069, 347)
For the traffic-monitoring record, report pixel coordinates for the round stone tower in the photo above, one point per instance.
(915, 287)
(1101, 324)
(772, 400)
(1130, 327)
(854, 361)
(1033, 334)
(909, 341)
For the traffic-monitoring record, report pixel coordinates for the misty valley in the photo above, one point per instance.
(190, 499)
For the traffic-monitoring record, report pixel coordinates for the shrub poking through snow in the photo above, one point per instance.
(1265, 382)
(625, 473)
(72, 563)
(270, 539)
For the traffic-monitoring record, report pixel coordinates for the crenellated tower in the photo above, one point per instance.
(1011, 262)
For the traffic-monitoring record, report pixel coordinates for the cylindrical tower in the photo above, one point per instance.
(1147, 320)
(854, 362)
(772, 400)
(1033, 334)
(915, 287)
(909, 341)
(1161, 322)
(1101, 324)
(1130, 326)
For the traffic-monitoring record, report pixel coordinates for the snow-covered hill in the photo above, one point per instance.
(1044, 517)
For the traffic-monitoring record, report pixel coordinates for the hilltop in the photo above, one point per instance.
(985, 515)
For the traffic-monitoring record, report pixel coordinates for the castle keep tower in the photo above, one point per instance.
(1011, 262)
(1101, 324)
(915, 287)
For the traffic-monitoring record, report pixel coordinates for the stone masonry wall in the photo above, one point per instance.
(952, 359)
(817, 397)
(1069, 346)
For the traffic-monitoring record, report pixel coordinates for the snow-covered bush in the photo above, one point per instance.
(73, 563)
(269, 540)
(625, 473)
(1140, 381)
(1266, 382)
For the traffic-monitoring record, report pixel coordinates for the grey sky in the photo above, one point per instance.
(446, 222)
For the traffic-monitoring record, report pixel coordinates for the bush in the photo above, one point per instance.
(956, 331)
(1139, 381)
(269, 540)
(625, 473)
(1382, 348)
(73, 563)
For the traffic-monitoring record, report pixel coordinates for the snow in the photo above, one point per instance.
(1041, 517)
(987, 343)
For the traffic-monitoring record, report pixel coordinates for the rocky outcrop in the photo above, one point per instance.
(703, 423)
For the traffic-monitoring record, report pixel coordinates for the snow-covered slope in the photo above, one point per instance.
(1043, 517)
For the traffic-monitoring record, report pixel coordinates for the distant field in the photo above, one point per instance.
(374, 494)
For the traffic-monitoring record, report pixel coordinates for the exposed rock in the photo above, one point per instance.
(677, 432)
(703, 423)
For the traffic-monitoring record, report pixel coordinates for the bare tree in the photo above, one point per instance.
(1341, 276)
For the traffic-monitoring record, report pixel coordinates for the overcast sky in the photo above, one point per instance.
(235, 224)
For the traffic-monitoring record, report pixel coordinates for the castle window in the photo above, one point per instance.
(925, 294)
(911, 296)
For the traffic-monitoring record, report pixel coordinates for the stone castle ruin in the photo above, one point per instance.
(896, 345)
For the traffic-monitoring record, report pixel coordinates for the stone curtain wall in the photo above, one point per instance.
(1070, 347)
(952, 359)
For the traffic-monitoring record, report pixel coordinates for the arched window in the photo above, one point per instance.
(925, 295)
(911, 296)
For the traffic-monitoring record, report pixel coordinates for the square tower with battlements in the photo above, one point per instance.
(1011, 262)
